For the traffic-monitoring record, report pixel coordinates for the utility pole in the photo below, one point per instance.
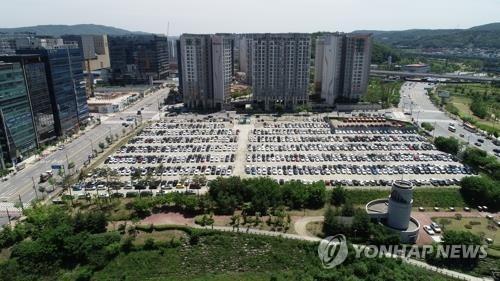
(21, 203)
(8, 215)
(34, 187)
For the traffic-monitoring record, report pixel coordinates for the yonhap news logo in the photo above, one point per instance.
(332, 250)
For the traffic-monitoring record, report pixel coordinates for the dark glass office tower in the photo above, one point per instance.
(17, 132)
(38, 90)
(66, 86)
(138, 58)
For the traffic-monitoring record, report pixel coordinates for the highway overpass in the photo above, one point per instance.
(425, 75)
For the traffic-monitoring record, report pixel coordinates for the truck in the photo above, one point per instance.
(45, 176)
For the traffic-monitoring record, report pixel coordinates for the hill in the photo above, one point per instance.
(78, 29)
(483, 36)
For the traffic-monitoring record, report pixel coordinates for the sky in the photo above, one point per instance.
(241, 16)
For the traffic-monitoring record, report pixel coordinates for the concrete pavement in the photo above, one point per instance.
(415, 100)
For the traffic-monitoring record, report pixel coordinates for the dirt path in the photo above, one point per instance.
(301, 225)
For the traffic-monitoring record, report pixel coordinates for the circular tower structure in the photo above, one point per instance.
(400, 203)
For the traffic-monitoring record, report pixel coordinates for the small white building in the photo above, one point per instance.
(110, 102)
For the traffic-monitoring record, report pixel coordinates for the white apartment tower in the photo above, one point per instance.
(358, 54)
(342, 66)
(206, 70)
(279, 68)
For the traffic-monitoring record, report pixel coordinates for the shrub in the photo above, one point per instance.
(149, 244)
(144, 227)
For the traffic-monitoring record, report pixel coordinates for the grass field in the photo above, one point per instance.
(425, 197)
(159, 236)
(480, 226)
(461, 99)
(229, 256)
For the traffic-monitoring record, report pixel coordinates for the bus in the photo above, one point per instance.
(452, 128)
(469, 127)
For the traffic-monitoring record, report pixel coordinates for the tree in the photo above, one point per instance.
(338, 196)
(479, 108)
(102, 145)
(449, 145)
(427, 126)
(331, 224)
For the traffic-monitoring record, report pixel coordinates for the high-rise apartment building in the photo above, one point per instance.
(358, 51)
(138, 58)
(206, 70)
(279, 68)
(33, 67)
(17, 132)
(342, 66)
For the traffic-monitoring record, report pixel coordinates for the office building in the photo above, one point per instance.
(95, 50)
(279, 69)
(137, 59)
(64, 69)
(33, 67)
(342, 66)
(17, 132)
(206, 70)
(9, 42)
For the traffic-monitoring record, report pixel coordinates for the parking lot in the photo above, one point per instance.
(350, 151)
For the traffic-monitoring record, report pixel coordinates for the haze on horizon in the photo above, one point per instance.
(201, 16)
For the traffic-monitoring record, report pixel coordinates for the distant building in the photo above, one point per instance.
(137, 59)
(206, 70)
(342, 66)
(279, 69)
(33, 67)
(416, 68)
(17, 132)
(10, 41)
(243, 57)
(64, 69)
(95, 50)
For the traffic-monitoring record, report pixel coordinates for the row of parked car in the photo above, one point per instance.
(322, 157)
(170, 148)
(353, 169)
(332, 138)
(383, 130)
(198, 139)
(166, 159)
(188, 132)
(382, 182)
(253, 147)
(308, 123)
(220, 170)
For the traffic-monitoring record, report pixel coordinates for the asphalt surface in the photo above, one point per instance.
(77, 151)
(415, 100)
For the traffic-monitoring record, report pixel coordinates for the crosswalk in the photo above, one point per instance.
(9, 208)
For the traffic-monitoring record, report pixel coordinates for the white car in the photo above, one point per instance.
(436, 227)
(429, 230)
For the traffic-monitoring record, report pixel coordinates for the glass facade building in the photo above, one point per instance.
(64, 68)
(17, 132)
(138, 58)
(38, 89)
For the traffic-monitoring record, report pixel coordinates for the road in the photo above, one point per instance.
(434, 75)
(78, 151)
(415, 100)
